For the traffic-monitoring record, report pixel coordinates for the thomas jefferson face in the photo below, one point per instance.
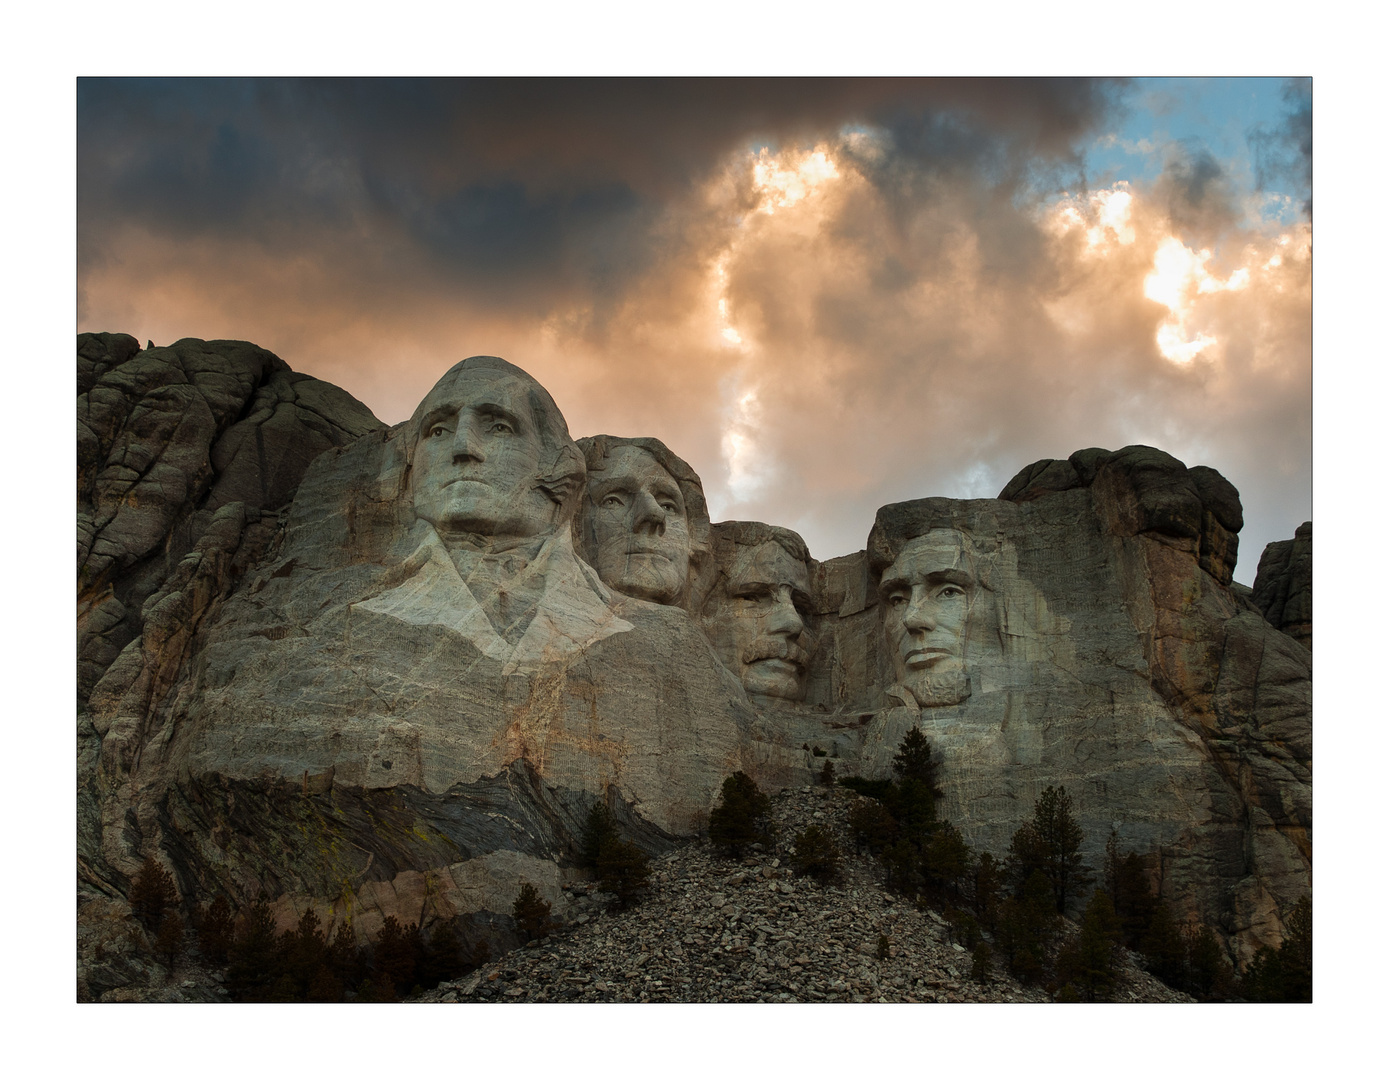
(477, 459)
(926, 600)
(760, 629)
(641, 535)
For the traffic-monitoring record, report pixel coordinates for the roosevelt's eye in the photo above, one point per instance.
(897, 599)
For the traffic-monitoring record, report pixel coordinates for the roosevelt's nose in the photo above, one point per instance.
(785, 619)
(647, 515)
(467, 445)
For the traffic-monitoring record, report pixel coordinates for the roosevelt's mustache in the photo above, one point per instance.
(776, 648)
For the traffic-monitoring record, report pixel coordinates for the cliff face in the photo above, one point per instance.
(336, 706)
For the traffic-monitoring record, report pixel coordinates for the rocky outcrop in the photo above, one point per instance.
(407, 691)
(166, 438)
(1283, 584)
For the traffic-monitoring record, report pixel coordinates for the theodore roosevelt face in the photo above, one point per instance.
(478, 456)
(641, 536)
(760, 630)
(926, 602)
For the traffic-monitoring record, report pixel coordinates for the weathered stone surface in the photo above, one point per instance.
(165, 439)
(406, 697)
(1283, 584)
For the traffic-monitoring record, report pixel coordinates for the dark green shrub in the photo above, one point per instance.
(1086, 963)
(152, 892)
(873, 827)
(815, 854)
(827, 773)
(599, 830)
(623, 870)
(532, 914)
(884, 947)
(740, 818)
(215, 929)
(982, 969)
(964, 928)
(168, 944)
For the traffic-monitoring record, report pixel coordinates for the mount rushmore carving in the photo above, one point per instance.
(406, 685)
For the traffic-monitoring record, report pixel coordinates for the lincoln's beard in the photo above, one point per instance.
(933, 688)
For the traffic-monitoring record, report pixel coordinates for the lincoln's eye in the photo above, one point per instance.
(612, 501)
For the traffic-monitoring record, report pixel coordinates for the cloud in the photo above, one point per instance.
(1283, 155)
(826, 295)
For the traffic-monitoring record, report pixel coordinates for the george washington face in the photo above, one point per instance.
(478, 456)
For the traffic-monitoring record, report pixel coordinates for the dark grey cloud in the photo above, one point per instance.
(554, 183)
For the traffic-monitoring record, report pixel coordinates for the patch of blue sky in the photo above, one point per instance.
(1162, 116)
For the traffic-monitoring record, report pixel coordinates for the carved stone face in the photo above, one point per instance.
(478, 456)
(926, 595)
(759, 631)
(641, 535)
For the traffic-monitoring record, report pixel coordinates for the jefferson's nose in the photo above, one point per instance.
(785, 619)
(647, 515)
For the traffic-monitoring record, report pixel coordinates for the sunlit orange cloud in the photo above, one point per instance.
(816, 346)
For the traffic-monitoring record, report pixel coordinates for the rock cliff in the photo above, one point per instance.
(401, 695)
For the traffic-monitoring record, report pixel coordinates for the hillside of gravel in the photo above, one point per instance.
(713, 929)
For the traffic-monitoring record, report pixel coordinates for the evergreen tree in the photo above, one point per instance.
(1026, 928)
(599, 830)
(912, 799)
(873, 827)
(740, 819)
(1087, 963)
(1284, 974)
(624, 871)
(397, 950)
(1209, 976)
(168, 945)
(253, 960)
(815, 854)
(152, 892)
(947, 860)
(1163, 947)
(215, 929)
(1050, 842)
(443, 955)
(531, 913)
(304, 950)
(987, 891)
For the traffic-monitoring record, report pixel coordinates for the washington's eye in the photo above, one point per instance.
(502, 427)
(438, 430)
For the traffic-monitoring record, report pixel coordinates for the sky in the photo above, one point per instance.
(825, 294)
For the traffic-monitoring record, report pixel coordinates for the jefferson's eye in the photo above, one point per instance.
(669, 507)
(951, 590)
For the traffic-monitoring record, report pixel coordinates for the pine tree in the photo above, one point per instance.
(1163, 947)
(815, 854)
(623, 870)
(215, 929)
(168, 945)
(947, 860)
(396, 952)
(254, 957)
(1050, 842)
(530, 912)
(1086, 964)
(987, 890)
(599, 830)
(740, 819)
(873, 827)
(151, 893)
(1026, 927)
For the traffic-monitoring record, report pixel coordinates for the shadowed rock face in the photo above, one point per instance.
(1283, 584)
(403, 697)
(166, 440)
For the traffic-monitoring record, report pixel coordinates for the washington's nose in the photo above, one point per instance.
(466, 444)
(647, 515)
(785, 619)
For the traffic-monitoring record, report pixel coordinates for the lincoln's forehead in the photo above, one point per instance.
(937, 551)
(769, 564)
